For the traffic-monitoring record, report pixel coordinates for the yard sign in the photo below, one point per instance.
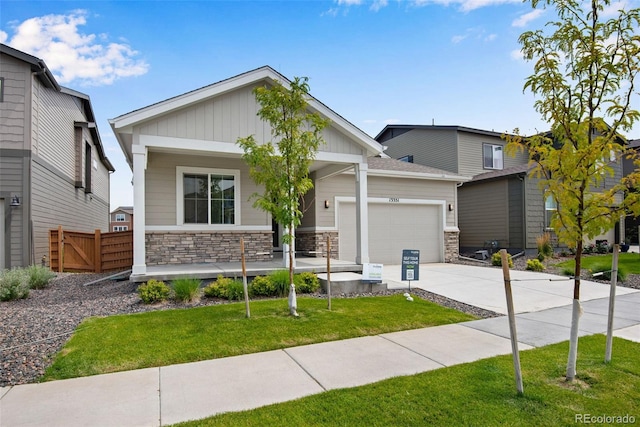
(410, 264)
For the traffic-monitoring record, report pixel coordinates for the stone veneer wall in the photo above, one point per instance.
(451, 245)
(183, 247)
(316, 241)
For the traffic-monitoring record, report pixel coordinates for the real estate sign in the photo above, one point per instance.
(410, 264)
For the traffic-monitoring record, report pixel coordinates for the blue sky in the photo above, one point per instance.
(448, 62)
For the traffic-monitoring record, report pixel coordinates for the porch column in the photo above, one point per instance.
(139, 249)
(362, 214)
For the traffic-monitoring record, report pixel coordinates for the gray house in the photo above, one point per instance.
(501, 206)
(53, 169)
(632, 224)
(359, 201)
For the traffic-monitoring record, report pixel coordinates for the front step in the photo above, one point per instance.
(349, 283)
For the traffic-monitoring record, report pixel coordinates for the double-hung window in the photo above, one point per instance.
(120, 217)
(492, 156)
(550, 207)
(208, 196)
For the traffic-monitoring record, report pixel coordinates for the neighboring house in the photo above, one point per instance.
(183, 148)
(53, 169)
(501, 206)
(121, 219)
(631, 224)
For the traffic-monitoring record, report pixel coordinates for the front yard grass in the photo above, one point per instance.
(481, 393)
(628, 261)
(160, 338)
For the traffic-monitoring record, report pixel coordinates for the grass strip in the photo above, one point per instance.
(160, 338)
(629, 261)
(481, 393)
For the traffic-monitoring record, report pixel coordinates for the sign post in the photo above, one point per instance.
(410, 265)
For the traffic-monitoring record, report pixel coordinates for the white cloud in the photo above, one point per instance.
(457, 39)
(517, 55)
(73, 56)
(378, 4)
(477, 33)
(463, 5)
(3, 36)
(523, 20)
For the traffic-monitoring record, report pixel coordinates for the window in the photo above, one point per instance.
(87, 168)
(120, 218)
(550, 207)
(120, 228)
(492, 156)
(208, 196)
(407, 158)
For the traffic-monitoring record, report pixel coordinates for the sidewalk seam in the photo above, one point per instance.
(412, 350)
(302, 367)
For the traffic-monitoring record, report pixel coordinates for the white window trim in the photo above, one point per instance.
(119, 215)
(548, 214)
(493, 161)
(181, 170)
(120, 228)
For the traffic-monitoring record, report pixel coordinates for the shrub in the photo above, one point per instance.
(186, 289)
(534, 265)
(154, 291)
(545, 248)
(225, 287)
(306, 282)
(261, 286)
(497, 260)
(602, 247)
(280, 282)
(39, 277)
(14, 284)
(567, 271)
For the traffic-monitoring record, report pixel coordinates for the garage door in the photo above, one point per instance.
(392, 228)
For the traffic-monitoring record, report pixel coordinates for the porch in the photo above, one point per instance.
(234, 269)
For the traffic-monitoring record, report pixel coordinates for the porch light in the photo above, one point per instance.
(450, 207)
(15, 201)
(326, 204)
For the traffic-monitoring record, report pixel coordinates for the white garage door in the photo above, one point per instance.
(392, 228)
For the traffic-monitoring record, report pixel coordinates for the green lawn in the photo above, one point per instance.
(159, 338)
(482, 393)
(628, 261)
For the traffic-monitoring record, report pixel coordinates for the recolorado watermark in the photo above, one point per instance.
(604, 419)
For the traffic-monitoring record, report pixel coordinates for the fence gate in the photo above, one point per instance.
(96, 252)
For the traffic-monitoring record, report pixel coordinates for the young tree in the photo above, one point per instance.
(585, 72)
(283, 167)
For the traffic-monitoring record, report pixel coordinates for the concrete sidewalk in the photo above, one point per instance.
(170, 394)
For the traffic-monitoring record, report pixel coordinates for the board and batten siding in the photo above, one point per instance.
(429, 147)
(516, 214)
(230, 116)
(483, 213)
(14, 119)
(160, 190)
(55, 201)
(344, 185)
(471, 157)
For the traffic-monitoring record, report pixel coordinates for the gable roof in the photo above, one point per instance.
(44, 75)
(125, 209)
(515, 170)
(123, 125)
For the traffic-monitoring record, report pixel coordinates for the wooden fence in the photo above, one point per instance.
(96, 252)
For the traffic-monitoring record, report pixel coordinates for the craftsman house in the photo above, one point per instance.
(192, 188)
(53, 169)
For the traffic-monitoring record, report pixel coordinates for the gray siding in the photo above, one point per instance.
(470, 153)
(230, 116)
(13, 164)
(435, 148)
(534, 202)
(14, 119)
(483, 214)
(160, 187)
(516, 214)
(383, 187)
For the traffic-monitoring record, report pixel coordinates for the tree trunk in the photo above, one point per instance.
(293, 303)
(575, 316)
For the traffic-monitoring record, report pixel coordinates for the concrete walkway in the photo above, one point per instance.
(170, 394)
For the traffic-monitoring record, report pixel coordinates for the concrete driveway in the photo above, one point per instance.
(484, 286)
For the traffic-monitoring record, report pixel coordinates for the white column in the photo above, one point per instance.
(139, 250)
(362, 214)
